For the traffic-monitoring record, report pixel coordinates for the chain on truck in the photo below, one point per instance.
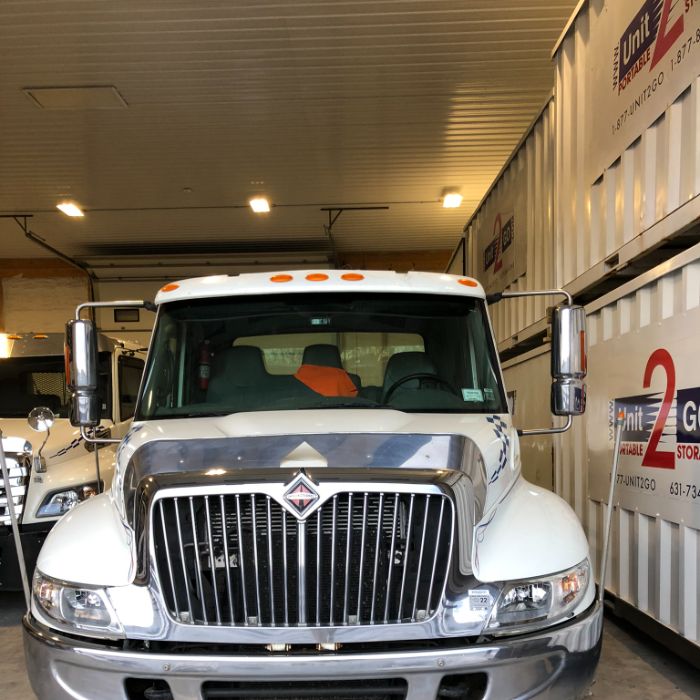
(320, 496)
(51, 468)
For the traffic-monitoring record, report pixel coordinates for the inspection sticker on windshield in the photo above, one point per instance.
(479, 600)
(472, 395)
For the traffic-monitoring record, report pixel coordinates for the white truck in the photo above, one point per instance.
(51, 473)
(320, 496)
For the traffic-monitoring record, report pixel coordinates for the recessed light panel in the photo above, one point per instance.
(259, 205)
(70, 209)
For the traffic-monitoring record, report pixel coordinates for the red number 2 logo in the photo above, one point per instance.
(653, 457)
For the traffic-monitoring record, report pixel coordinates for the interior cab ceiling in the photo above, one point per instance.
(195, 107)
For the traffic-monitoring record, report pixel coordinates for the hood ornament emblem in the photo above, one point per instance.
(301, 494)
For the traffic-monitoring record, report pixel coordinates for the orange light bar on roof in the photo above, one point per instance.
(317, 277)
(281, 278)
(171, 287)
(352, 277)
(467, 282)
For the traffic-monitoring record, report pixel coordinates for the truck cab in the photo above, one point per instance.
(320, 496)
(52, 472)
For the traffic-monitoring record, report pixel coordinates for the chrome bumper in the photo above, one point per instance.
(552, 664)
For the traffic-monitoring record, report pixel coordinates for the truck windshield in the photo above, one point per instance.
(30, 381)
(418, 353)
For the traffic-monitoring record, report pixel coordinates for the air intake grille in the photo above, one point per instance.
(361, 558)
(18, 472)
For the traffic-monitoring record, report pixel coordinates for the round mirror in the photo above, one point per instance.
(41, 419)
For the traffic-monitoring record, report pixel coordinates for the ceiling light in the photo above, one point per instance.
(70, 209)
(259, 205)
(452, 200)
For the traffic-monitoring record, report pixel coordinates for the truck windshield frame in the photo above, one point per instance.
(418, 353)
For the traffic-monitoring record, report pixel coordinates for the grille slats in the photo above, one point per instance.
(361, 558)
(18, 473)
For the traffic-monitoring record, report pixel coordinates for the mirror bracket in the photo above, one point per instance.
(92, 440)
(568, 367)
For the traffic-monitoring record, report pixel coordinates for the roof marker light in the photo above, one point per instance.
(352, 277)
(317, 277)
(467, 282)
(281, 278)
(171, 287)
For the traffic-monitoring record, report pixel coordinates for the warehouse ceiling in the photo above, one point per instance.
(315, 104)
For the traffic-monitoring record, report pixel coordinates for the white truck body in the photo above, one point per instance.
(482, 581)
(32, 374)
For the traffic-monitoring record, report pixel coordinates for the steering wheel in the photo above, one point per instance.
(421, 376)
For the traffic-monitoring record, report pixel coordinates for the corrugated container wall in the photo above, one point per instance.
(653, 559)
(612, 202)
(530, 173)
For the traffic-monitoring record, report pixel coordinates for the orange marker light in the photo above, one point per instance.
(40, 336)
(14, 337)
(170, 287)
(317, 277)
(281, 278)
(352, 277)
(467, 282)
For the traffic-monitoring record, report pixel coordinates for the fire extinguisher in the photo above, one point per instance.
(204, 370)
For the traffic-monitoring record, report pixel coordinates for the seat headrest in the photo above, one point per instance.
(240, 367)
(322, 355)
(402, 364)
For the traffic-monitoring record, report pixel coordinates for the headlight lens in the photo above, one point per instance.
(60, 502)
(75, 608)
(526, 605)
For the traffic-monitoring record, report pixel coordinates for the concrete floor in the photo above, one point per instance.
(633, 666)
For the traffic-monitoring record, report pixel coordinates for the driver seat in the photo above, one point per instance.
(404, 364)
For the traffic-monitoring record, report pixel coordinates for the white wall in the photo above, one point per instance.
(40, 305)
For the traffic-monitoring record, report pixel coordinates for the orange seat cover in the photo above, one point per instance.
(327, 381)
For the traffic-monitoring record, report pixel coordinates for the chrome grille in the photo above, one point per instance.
(18, 473)
(361, 558)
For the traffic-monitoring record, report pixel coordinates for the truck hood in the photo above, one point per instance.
(64, 441)
(493, 436)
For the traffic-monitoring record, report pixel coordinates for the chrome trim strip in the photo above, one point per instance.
(198, 565)
(301, 571)
(227, 559)
(167, 555)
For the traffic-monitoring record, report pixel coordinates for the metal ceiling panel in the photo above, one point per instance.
(324, 102)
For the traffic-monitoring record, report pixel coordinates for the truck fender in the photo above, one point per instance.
(90, 545)
(532, 532)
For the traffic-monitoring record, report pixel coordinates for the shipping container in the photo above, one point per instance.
(603, 192)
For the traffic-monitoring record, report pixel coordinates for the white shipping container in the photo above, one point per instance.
(655, 542)
(527, 180)
(627, 160)
(619, 194)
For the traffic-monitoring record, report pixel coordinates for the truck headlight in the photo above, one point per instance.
(60, 502)
(75, 608)
(527, 605)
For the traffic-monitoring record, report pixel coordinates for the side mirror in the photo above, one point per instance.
(569, 360)
(40, 419)
(81, 373)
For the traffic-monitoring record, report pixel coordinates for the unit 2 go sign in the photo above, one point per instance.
(652, 376)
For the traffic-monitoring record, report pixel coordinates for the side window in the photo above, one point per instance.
(130, 371)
